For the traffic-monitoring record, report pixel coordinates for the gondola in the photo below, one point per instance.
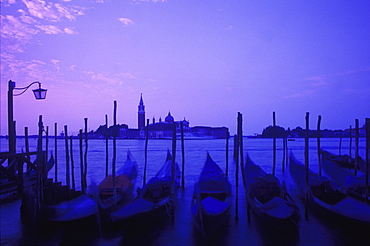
(125, 179)
(268, 199)
(325, 194)
(212, 198)
(353, 185)
(155, 199)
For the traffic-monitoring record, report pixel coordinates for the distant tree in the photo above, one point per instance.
(268, 132)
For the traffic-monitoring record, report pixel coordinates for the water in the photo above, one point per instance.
(319, 229)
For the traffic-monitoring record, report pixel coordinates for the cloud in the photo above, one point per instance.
(229, 28)
(16, 33)
(52, 11)
(49, 29)
(55, 62)
(69, 31)
(112, 79)
(18, 69)
(19, 29)
(126, 21)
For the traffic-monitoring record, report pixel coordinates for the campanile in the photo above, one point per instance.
(141, 114)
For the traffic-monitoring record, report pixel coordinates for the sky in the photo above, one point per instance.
(201, 60)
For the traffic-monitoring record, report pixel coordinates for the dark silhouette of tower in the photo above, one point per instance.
(141, 114)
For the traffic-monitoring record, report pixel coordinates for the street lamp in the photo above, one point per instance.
(39, 95)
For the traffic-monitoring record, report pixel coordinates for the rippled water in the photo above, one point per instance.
(319, 229)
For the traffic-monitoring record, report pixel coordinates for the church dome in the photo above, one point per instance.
(169, 118)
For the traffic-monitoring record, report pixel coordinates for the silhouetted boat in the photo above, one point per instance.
(9, 188)
(345, 161)
(60, 203)
(353, 185)
(212, 198)
(154, 200)
(268, 199)
(327, 195)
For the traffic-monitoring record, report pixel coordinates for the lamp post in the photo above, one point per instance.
(39, 95)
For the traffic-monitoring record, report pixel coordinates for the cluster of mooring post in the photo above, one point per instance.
(42, 157)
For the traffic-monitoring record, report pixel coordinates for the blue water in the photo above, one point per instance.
(319, 229)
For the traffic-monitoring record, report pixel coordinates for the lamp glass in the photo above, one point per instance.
(39, 94)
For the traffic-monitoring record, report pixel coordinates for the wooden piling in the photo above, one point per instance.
(40, 184)
(173, 162)
(72, 162)
(182, 155)
(46, 143)
(27, 145)
(319, 144)
(106, 146)
(227, 152)
(114, 151)
(241, 153)
(287, 151)
(274, 143)
(350, 141)
(237, 170)
(85, 155)
(340, 142)
(146, 150)
(357, 146)
(236, 176)
(284, 152)
(306, 164)
(367, 123)
(81, 161)
(68, 180)
(236, 146)
(56, 151)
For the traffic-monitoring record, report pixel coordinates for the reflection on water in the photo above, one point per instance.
(319, 229)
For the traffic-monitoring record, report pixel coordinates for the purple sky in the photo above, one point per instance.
(202, 60)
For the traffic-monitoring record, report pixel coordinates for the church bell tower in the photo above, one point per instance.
(141, 114)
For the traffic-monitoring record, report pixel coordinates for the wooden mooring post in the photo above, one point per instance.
(68, 176)
(274, 143)
(319, 144)
(227, 152)
(72, 162)
(106, 146)
(367, 123)
(173, 162)
(182, 155)
(81, 161)
(357, 146)
(146, 150)
(306, 163)
(114, 152)
(85, 155)
(56, 151)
